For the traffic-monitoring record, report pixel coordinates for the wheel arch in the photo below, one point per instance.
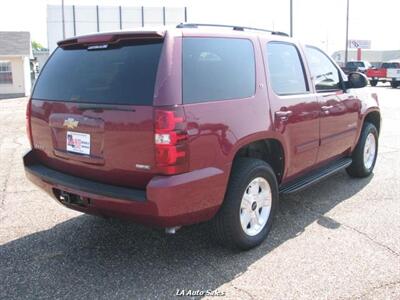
(371, 115)
(270, 149)
(374, 117)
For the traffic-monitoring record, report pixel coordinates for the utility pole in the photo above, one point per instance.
(63, 18)
(291, 18)
(346, 52)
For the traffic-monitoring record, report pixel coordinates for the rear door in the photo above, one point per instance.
(92, 113)
(339, 109)
(294, 107)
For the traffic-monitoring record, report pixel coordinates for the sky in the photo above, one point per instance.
(319, 22)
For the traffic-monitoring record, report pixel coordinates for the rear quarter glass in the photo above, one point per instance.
(123, 73)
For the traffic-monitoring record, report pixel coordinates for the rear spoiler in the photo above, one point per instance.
(111, 38)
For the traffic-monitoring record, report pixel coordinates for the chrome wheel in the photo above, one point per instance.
(255, 207)
(369, 151)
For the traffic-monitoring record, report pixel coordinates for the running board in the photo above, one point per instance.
(315, 176)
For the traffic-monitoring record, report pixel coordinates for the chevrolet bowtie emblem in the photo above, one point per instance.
(71, 123)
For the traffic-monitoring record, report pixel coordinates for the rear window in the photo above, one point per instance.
(217, 69)
(119, 74)
(355, 64)
(390, 65)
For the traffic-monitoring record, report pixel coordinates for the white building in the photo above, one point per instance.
(15, 53)
(40, 58)
(80, 20)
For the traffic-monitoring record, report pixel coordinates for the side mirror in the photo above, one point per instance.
(356, 80)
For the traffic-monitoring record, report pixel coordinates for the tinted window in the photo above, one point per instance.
(217, 69)
(325, 74)
(123, 74)
(390, 65)
(285, 69)
(355, 64)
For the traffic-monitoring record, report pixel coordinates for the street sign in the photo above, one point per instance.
(361, 44)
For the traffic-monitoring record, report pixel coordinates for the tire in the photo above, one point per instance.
(394, 84)
(246, 175)
(363, 164)
(373, 82)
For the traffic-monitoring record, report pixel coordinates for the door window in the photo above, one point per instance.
(285, 68)
(324, 72)
(217, 69)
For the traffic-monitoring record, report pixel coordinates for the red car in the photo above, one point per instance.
(175, 127)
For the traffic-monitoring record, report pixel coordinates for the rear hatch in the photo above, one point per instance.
(91, 109)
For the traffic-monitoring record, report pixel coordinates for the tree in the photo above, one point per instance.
(37, 46)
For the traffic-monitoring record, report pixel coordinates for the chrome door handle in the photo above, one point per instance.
(283, 114)
(326, 107)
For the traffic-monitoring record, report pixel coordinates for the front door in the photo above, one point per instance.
(339, 109)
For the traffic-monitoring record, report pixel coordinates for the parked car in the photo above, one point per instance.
(356, 66)
(393, 74)
(381, 74)
(175, 127)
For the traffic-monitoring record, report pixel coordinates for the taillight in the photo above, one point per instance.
(170, 140)
(28, 122)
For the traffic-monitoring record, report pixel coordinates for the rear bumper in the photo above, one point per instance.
(167, 201)
(383, 79)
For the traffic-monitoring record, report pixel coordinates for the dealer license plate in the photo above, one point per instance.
(78, 142)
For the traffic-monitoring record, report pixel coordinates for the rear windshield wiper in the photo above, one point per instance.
(102, 107)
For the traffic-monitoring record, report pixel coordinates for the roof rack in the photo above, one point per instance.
(234, 27)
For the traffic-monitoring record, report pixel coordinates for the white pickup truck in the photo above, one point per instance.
(394, 76)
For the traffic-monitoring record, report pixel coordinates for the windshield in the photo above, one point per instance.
(115, 74)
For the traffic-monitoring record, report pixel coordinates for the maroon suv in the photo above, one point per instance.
(175, 127)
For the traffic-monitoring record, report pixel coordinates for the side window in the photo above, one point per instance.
(325, 74)
(217, 69)
(5, 73)
(285, 68)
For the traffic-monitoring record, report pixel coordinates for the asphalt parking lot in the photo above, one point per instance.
(339, 239)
